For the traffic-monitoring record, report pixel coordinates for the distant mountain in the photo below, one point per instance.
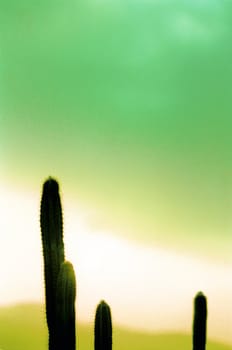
(23, 327)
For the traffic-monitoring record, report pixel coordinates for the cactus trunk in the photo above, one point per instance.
(199, 322)
(51, 224)
(103, 327)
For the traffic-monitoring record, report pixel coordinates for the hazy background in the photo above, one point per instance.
(128, 104)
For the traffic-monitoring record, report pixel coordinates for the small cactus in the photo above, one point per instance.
(51, 224)
(199, 322)
(103, 327)
(65, 307)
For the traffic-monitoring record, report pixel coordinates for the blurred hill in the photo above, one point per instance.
(23, 327)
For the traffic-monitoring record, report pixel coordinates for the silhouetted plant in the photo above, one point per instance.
(65, 307)
(51, 224)
(60, 286)
(103, 327)
(199, 322)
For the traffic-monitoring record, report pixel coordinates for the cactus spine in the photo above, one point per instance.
(65, 307)
(103, 327)
(51, 224)
(199, 322)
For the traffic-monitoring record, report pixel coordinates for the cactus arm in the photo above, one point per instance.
(65, 307)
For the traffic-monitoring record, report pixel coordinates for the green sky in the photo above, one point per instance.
(128, 104)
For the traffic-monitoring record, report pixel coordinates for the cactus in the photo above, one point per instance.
(199, 322)
(103, 327)
(65, 307)
(51, 224)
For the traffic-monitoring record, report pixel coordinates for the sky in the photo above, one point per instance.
(128, 105)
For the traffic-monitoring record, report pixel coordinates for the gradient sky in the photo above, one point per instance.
(128, 104)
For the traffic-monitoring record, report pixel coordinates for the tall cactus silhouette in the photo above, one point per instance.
(103, 327)
(199, 322)
(51, 224)
(65, 307)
